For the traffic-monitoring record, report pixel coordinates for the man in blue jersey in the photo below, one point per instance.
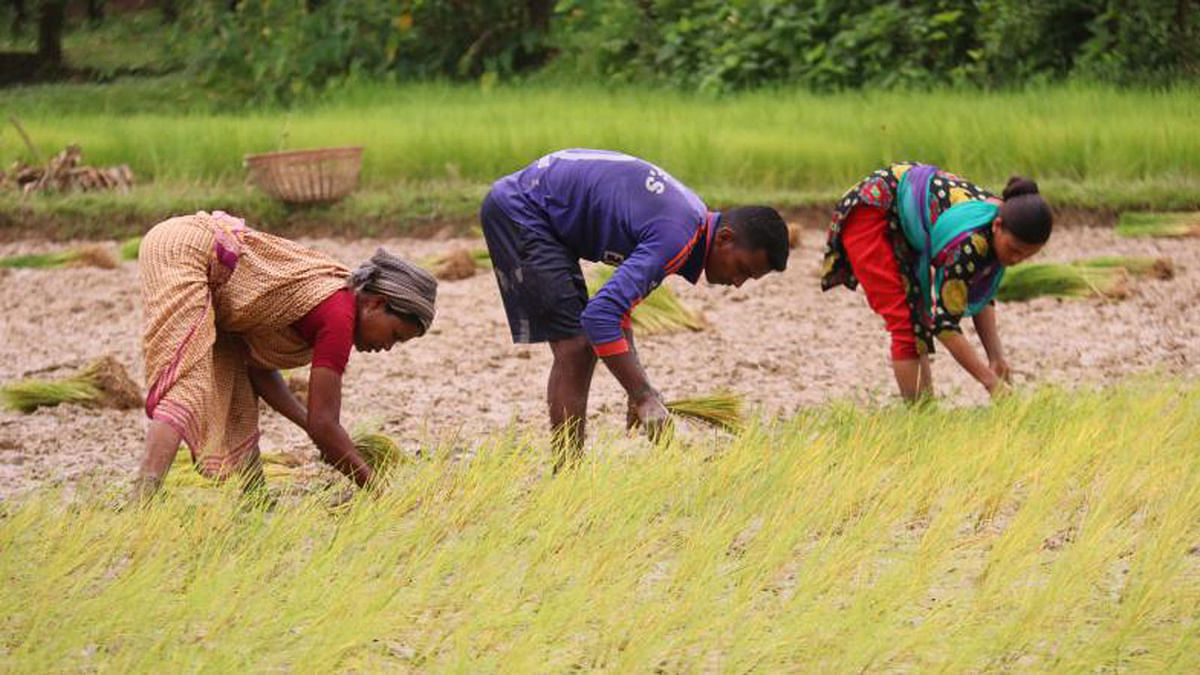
(609, 207)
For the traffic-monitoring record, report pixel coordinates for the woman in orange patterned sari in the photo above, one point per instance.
(226, 307)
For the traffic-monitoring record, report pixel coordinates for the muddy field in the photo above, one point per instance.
(780, 342)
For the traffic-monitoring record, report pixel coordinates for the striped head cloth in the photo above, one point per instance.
(408, 289)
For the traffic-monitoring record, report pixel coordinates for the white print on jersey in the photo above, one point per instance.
(656, 180)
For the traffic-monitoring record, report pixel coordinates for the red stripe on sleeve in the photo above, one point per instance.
(681, 257)
(614, 348)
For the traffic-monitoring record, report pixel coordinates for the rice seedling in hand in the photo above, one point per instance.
(659, 312)
(91, 255)
(1031, 280)
(1134, 224)
(105, 383)
(721, 409)
(379, 451)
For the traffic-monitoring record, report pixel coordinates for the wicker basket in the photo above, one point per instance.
(307, 176)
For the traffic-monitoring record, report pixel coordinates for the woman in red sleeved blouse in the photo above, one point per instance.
(930, 248)
(226, 307)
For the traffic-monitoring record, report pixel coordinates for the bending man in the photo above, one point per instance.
(609, 207)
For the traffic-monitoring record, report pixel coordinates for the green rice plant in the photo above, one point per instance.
(721, 409)
(1143, 224)
(103, 383)
(844, 539)
(130, 248)
(659, 312)
(1031, 280)
(92, 255)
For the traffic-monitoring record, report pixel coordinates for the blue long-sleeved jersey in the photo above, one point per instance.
(610, 207)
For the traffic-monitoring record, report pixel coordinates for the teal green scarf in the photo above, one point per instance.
(930, 239)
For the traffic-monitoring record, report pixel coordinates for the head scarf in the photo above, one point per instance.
(408, 289)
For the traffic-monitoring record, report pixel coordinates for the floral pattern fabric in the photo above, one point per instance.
(960, 265)
(879, 190)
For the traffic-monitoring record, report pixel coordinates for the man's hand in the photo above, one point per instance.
(650, 413)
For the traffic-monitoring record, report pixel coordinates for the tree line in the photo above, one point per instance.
(283, 49)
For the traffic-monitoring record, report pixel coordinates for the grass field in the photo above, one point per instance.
(786, 140)
(432, 149)
(1052, 531)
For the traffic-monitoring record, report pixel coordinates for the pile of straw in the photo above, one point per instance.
(461, 263)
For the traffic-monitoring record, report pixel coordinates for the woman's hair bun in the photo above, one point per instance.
(1020, 185)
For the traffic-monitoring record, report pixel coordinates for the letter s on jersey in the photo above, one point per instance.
(653, 182)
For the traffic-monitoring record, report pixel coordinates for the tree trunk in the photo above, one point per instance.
(50, 30)
(540, 12)
(169, 9)
(1183, 33)
(20, 16)
(95, 11)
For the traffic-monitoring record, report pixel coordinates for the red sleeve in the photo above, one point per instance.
(329, 329)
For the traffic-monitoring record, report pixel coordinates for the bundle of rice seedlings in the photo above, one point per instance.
(91, 255)
(1138, 266)
(105, 383)
(659, 312)
(130, 248)
(1031, 280)
(29, 395)
(378, 450)
(461, 263)
(1133, 224)
(722, 410)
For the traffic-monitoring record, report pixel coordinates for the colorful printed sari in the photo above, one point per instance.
(220, 298)
(921, 242)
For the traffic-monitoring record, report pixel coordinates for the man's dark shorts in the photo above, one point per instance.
(540, 281)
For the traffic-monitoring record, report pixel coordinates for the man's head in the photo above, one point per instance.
(751, 241)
